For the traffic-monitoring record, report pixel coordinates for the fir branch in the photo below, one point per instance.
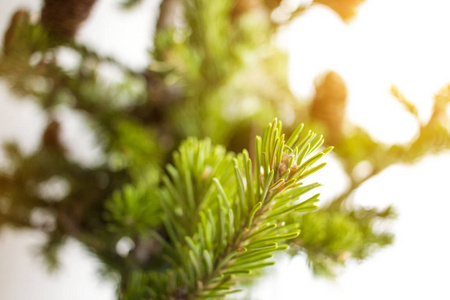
(242, 226)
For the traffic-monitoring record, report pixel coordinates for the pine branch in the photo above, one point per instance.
(224, 228)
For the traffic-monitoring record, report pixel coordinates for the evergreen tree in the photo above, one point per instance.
(200, 215)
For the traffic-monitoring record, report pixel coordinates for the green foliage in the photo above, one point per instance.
(134, 211)
(212, 218)
(133, 148)
(225, 215)
(330, 237)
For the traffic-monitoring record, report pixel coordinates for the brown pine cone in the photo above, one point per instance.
(346, 9)
(64, 17)
(51, 136)
(328, 106)
(20, 17)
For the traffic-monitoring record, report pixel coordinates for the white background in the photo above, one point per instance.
(401, 42)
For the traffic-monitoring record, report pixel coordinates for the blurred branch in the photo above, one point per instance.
(128, 4)
(411, 108)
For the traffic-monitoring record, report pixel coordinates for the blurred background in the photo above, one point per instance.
(371, 75)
